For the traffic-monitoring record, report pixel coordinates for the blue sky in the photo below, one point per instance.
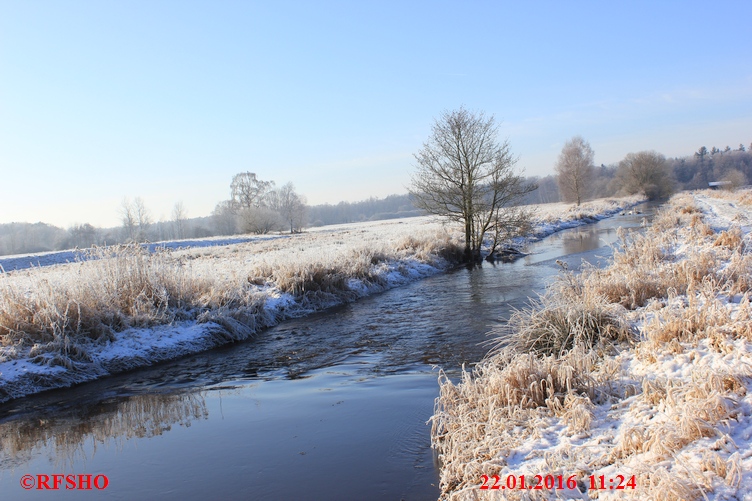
(166, 100)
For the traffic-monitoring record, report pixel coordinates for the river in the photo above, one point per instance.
(332, 406)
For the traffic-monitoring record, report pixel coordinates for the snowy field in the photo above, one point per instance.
(68, 320)
(640, 385)
(22, 261)
(549, 218)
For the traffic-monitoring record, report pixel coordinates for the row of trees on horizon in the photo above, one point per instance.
(259, 206)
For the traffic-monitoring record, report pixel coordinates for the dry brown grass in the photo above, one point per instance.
(736, 276)
(664, 484)
(687, 321)
(687, 412)
(730, 239)
(746, 199)
(646, 266)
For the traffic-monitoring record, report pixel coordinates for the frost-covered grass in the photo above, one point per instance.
(556, 216)
(642, 368)
(128, 306)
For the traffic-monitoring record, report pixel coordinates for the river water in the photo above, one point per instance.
(332, 406)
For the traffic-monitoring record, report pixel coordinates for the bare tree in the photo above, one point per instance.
(128, 217)
(143, 218)
(466, 175)
(179, 217)
(289, 205)
(136, 219)
(247, 190)
(574, 168)
(646, 172)
(508, 223)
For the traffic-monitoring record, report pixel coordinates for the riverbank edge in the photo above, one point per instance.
(142, 347)
(663, 412)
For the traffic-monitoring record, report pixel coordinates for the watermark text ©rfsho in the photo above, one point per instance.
(56, 482)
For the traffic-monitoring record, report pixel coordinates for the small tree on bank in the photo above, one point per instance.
(574, 168)
(465, 174)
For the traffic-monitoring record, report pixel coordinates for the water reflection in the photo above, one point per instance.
(581, 240)
(62, 433)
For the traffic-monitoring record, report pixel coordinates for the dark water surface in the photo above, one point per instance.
(332, 406)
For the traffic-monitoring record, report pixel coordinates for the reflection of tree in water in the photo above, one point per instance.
(137, 416)
(580, 241)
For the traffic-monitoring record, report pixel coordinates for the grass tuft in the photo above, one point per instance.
(559, 321)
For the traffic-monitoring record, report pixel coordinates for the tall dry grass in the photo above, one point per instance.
(117, 288)
(649, 266)
(502, 404)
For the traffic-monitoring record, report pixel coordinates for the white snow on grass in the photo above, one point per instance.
(232, 288)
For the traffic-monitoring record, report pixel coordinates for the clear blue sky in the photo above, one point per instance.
(166, 100)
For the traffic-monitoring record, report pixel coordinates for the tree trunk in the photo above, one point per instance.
(468, 238)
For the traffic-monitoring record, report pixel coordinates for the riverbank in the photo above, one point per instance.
(129, 307)
(631, 381)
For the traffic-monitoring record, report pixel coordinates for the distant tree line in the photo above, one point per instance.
(648, 172)
(372, 209)
(25, 238)
(257, 206)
